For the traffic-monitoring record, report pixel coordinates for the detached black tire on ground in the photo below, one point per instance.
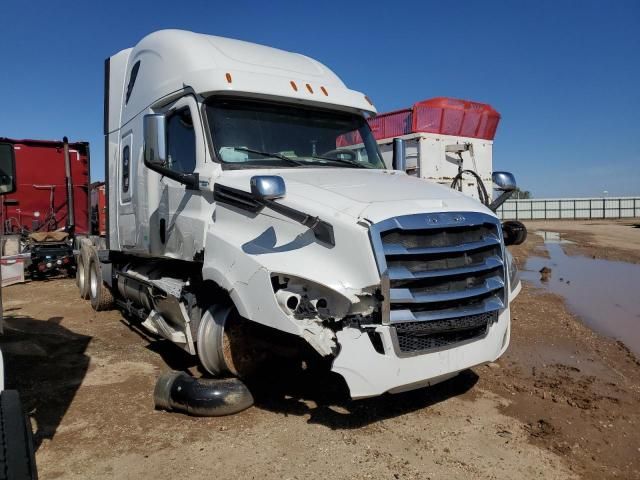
(99, 293)
(17, 460)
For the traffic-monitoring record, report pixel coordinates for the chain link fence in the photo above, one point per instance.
(570, 208)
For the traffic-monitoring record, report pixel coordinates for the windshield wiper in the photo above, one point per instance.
(268, 154)
(340, 160)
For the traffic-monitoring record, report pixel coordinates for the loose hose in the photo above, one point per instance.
(456, 184)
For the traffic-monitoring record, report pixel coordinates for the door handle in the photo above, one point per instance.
(163, 230)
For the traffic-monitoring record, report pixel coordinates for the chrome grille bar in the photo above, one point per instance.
(403, 273)
(406, 315)
(395, 249)
(439, 266)
(405, 295)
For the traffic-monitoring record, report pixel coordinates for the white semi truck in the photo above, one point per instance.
(238, 217)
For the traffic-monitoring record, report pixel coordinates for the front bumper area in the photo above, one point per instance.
(369, 373)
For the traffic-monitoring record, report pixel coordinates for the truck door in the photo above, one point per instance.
(127, 227)
(181, 221)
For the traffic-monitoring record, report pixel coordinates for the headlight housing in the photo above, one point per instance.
(512, 269)
(300, 297)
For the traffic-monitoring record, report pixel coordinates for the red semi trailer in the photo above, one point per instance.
(98, 209)
(40, 203)
(51, 204)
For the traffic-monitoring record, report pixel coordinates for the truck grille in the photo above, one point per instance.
(415, 337)
(443, 277)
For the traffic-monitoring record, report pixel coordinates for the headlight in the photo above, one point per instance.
(512, 268)
(304, 298)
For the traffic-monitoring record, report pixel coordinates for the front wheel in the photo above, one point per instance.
(224, 343)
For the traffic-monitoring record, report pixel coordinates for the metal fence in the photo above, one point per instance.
(570, 208)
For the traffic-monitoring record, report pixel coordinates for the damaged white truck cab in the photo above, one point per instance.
(231, 202)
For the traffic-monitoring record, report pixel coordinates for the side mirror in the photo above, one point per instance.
(156, 157)
(267, 187)
(155, 140)
(399, 155)
(7, 169)
(505, 181)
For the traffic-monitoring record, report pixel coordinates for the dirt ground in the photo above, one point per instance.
(563, 402)
(606, 239)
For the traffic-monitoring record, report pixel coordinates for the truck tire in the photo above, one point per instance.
(99, 293)
(17, 460)
(224, 345)
(516, 232)
(82, 274)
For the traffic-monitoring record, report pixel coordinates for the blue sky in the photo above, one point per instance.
(565, 75)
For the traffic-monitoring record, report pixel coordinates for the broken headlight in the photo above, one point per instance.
(303, 298)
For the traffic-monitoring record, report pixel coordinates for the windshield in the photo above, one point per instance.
(250, 133)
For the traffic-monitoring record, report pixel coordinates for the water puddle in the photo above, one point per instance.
(551, 237)
(603, 293)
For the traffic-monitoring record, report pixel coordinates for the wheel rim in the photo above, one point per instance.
(224, 345)
(94, 283)
(211, 338)
(81, 274)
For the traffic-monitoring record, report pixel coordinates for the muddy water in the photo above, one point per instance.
(604, 294)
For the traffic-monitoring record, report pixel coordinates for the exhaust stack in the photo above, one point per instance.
(71, 221)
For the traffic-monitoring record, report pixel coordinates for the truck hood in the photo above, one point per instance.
(373, 195)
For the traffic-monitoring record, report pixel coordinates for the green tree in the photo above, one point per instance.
(521, 194)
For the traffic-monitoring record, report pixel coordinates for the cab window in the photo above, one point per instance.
(181, 142)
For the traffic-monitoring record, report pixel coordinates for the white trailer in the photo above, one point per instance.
(441, 157)
(238, 216)
(443, 136)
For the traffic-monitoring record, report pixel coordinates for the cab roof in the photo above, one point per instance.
(169, 61)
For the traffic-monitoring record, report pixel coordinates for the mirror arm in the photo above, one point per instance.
(504, 196)
(191, 180)
(322, 230)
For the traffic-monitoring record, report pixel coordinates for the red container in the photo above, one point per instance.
(98, 209)
(391, 124)
(40, 201)
(441, 115)
(349, 138)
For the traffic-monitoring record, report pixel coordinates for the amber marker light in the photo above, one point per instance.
(293, 85)
(324, 90)
(309, 88)
(368, 100)
(229, 79)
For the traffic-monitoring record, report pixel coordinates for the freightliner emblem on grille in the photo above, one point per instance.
(456, 218)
